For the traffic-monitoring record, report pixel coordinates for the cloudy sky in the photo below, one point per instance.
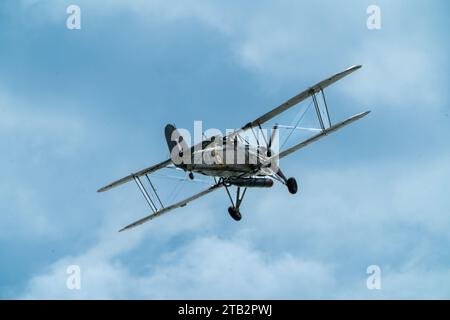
(79, 108)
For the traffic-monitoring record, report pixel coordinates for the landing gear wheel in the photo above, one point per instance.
(234, 213)
(292, 185)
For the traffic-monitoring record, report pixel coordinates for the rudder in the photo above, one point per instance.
(176, 143)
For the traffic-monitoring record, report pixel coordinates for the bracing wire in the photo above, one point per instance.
(299, 120)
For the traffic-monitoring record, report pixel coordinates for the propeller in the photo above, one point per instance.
(272, 137)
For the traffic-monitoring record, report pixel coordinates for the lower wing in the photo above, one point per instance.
(320, 135)
(164, 210)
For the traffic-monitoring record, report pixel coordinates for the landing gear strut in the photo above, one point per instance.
(233, 210)
(291, 183)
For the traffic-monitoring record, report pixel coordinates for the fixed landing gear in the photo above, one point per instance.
(291, 184)
(233, 210)
(234, 213)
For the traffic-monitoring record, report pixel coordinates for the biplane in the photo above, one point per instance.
(257, 167)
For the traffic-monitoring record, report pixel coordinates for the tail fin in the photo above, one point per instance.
(177, 145)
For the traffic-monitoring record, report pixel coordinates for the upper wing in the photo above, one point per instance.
(137, 174)
(321, 135)
(287, 105)
(299, 98)
(181, 203)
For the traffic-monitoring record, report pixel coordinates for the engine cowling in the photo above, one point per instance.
(252, 182)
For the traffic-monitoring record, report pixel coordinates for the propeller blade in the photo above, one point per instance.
(272, 136)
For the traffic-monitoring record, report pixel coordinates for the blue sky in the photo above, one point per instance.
(79, 108)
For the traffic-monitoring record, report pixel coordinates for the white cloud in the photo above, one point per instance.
(211, 267)
(28, 216)
(400, 77)
(282, 41)
(32, 137)
(373, 212)
(407, 283)
(365, 217)
(206, 267)
(367, 207)
(43, 130)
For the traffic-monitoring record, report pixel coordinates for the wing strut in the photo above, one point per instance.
(181, 203)
(154, 191)
(299, 98)
(319, 111)
(326, 107)
(145, 194)
(319, 115)
(320, 135)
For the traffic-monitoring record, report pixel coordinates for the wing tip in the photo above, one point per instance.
(127, 227)
(355, 67)
(130, 226)
(362, 114)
